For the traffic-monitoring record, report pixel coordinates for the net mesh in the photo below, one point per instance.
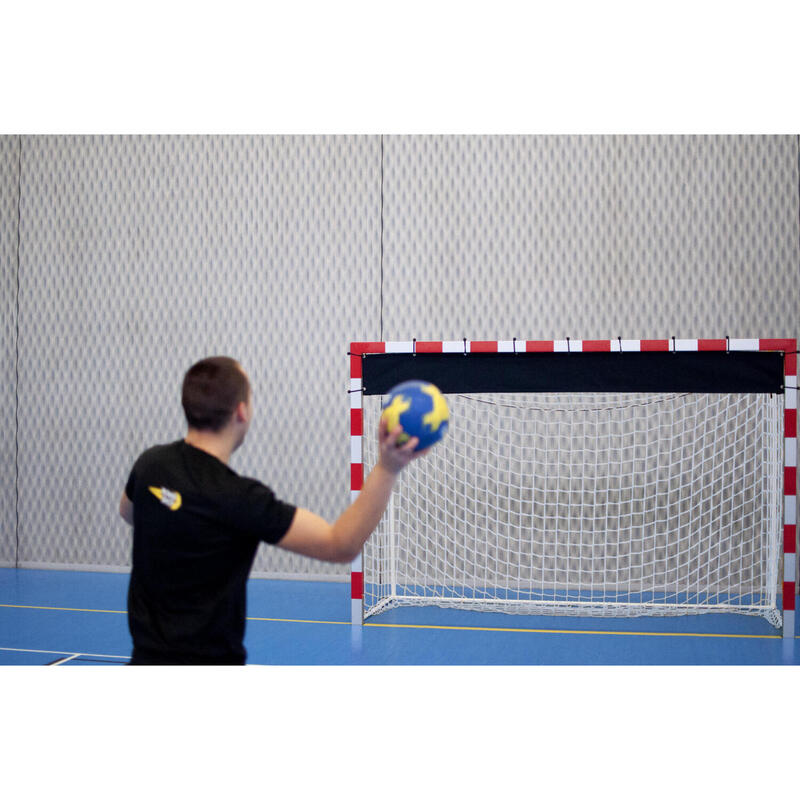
(614, 505)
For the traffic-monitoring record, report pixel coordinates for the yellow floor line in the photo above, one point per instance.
(525, 630)
(447, 627)
(60, 608)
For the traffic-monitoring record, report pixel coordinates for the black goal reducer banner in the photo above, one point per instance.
(711, 372)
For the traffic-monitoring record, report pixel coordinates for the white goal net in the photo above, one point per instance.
(587, 504)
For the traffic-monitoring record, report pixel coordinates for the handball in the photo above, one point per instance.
(421, 410)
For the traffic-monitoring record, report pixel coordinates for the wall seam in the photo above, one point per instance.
(16, 360)
(380, 338)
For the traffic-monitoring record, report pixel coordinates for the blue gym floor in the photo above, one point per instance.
(78, 618)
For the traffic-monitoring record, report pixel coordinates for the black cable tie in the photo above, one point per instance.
(465, 346)
(619, 339)
(414, 346)
(568, 350)
(673, 345)
(728, 344)
(515, 345)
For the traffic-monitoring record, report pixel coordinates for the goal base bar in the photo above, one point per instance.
(585, 609)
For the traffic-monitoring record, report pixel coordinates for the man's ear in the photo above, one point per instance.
(242, 412)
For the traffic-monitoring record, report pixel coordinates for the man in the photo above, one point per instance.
(197, 524)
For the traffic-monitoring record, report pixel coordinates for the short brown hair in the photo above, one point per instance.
(212, 388)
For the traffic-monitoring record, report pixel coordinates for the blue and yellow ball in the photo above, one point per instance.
(420, 408)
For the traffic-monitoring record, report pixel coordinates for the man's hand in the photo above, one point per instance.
(394, 457)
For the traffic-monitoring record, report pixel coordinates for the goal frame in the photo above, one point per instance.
(465, 347)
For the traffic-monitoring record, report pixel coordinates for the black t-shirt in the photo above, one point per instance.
(196, 528)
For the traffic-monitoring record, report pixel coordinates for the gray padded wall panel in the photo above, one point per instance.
(492, 237)
(9, 216)
(141, 255)
(543, 237)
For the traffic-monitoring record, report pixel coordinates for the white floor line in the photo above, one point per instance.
(63, 660)
(62, 653)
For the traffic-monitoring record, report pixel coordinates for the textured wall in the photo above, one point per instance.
(9, 216)
(141, 254)
(544, 237)
(493, 237)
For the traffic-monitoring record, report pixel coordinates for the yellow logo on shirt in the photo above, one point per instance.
(172, 500)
